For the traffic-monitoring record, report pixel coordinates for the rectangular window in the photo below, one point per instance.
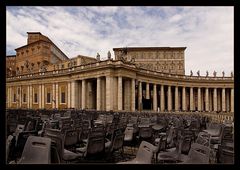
(63, 97)
(14, 97)
(48, 97)
(24, 98)
(35, 98)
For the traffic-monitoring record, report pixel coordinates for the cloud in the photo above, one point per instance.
(207, 32)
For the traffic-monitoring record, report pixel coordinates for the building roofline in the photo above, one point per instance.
(11, 56)
(149, 48)
(34, 33)
(43, 41)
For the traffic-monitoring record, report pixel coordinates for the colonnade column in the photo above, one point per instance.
(183, 98)
(133, 95)
(73, 93)
(223, 100)
(176, 98)
(53, 96)
(139, 95)
(232, 100)
(20, 96)
(215, 99)
(162, 98)
(56, 98)
(169, 99)
(206, 100)
(30, 96)
(39, 96)
(83, 94)
(109, 102)
(199, 99)
(120, 93)
(69, 95)
(98, 93)
(154, 97)
(191, 98)
(43, 95)
(147, 91)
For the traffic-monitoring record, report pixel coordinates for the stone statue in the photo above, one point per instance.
(214, 73)
(198, 73)
(223, 73)
(109, 55)
(191, 73)
(98, 56)
(207, 73)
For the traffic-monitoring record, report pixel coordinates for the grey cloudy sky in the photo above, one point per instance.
(207, 32)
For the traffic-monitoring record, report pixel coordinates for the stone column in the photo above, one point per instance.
(223, 100)
(56, 98)
(139, 95)
(162, 98)
(73, 94)
(20, 97)
(120, 93)
(215, 99)
(191, 99)
(154, 97)
(133, 95)
(99, 93)
(43, 96)
(9, 96)
(109, 102)
(169, 99)
(69, 95)
(206, 100)
(83, 94)
(183, 98)
(176, 98)
(232, 99)
(40, 96)
(147, 91)
(30, 96)
(53, 96)
(199, 99)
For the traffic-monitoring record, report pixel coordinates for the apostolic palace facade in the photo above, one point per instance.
(41, 76)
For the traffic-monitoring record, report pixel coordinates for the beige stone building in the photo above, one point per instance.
(146, 78)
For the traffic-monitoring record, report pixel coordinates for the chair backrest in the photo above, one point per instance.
(145, 153)
(118, 139)
(96, 144)
(37, 150)
(225, 155)
(128, 133)
(227, 135)
(57, 140)
(133, 120)
(199, 154)
(71, 137)
(144, 121)
(145, 132)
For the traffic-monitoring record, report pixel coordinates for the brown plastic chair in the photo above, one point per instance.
(144, 154)
(198, 154)
(36, 151)
(58, 142)
(225, 155)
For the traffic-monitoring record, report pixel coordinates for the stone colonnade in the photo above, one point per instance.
(124, 93)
